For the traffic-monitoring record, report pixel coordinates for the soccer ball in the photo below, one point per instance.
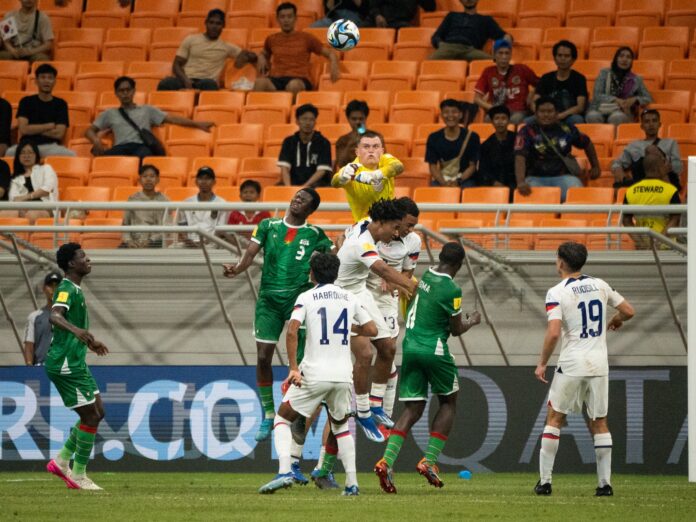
(343, 35)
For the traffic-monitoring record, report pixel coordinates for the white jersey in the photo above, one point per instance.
(328, 313)
(581, 305)
(357, 255)
(400, 254)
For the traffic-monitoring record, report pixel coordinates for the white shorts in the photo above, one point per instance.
(389, 306)
(568, 394)
(367, 300)
(306, 399)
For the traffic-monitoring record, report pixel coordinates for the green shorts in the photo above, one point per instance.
(271, 314)
(420, 369)
(76, 389)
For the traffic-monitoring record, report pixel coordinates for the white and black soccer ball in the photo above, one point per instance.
(343, 35)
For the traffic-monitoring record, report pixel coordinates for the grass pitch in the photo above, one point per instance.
(220, 496)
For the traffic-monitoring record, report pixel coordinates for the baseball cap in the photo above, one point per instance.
(52, 277)
(499, 44)
(205, 171)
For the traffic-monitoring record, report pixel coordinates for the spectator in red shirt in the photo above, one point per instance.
(506, 84)
(249, 192)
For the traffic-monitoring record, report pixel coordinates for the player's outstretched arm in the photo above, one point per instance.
(232, 270)
(294, 376)
(391, 276)
(458, 325)
(553, 334)
(624, 312)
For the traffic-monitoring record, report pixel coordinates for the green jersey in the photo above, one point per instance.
(286, 253)
(427, 321)
(67, 353)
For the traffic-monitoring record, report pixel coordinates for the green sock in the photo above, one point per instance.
(85, 443)
(266, 394)
(435, 446)
(327, 465)
(68, 449)
(394, 443)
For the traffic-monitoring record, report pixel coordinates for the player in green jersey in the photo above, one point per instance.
(287, 245)
(434, 313)
(67, 369)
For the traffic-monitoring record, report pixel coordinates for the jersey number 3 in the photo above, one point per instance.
(591, 311)
(300, 253)
(340, 327)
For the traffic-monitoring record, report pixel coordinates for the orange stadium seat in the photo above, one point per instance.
(664, 43)
(265, 179)
(415, 107)
(378, 101)
(681, 13)
(71, 171)
(105, 14)
(681, 75)
(475, 70)
(257, 35)
(154, 13)
(64, 16)
(673, 105)
(108, 100)
(640, 13)
(238, 36)
(487, 195)
(527, 41)
(250, 13)
(95, 240)
(83, 44)
(392, 76)
(328, 103)
(127, 45)
(189, 142)
(333, 131)
(331, 195)
(111, 179)
(516, 241)
(87, 194)
(64, 80)
(226, 168)
(51, 240)
(605, 41)
(422, 132)
(193, 12)
(504, 11)
(176, 102)
(552, 241)
(433, 19)
(180, 193)
(16, 221)
(126, 164)
(450, 195)
(590, 13)
(97, 76)
(239, 140)
(539, 196)
(480, 239)
(541, 67)
(398, 137)
(280, 193)
(80, 105)
(122, 193)
(580, 36)
(166, 41)
(442, 75)
(147, 75)
(353, 77)
(228, 192)
(173, 165)
(416, 174)
(685, 135)
(275, 134)
(541, 13)
(601, 134)
(652, 72)
(13, 75)
(588, 196)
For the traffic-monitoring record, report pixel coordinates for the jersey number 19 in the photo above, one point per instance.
(591, 311)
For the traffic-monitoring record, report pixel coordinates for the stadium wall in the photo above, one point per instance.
(174, 418)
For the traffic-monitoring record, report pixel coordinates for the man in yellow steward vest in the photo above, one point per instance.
(370, 177)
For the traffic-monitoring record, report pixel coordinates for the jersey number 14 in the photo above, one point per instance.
(593, 313)
(340, 327)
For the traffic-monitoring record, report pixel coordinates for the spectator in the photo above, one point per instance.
(200, 60)
(618, 92)
(452, 153)
(398, 13)
(38, 332)
(305, 157)
(497, 155)
(543, 152)
(148, 179)
(31, 36)
(5, 126)
(565, 85)
(127, 140)
(461, 36)
(32, 181)
(357, 112)
(5, 180)
(354, 10)
(249, 192)
(208, 219)
(506, 84)
(628, 168)
(654, 189)
(284, 62)
(43, 118)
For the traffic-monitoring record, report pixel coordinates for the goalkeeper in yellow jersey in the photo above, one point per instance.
(370, 177)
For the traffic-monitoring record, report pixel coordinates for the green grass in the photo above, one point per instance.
(220, 496)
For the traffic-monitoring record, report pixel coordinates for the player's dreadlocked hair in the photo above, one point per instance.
(65, 254)
(316, 198)
(573, 254)
(408, 206)
(386, 210)
(452, 254)
(324, 267)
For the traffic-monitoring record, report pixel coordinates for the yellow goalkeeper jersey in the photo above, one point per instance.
(361, 196)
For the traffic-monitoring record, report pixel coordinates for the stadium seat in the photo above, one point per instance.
(590, 13)
(83, 44)
(259, 164)
(392, 76)
(189, 142)
(280, 193)
(176, 165)
(193, 12)
(414, 34)
(541, 13)
(539, 196)
(527, 41)
(154, 13)
(122, 193)
(147, 75)
(80, 105)
(515, 241)
(504, 11)
(111, 179)
(588, 196)
(275, 135)
(605, 41)
(334, 131)
(64, 80)
(12, 75)
(265, 179)
(176, 102)
(328, 103)
(370, 51)
(105, 14)
(664, 43)
(466, 222)
(180, 193)
(353, 77)
(126, 45)
(397, 137)
(238, 36)
(97, 240)
(51, 240)
(485, 195)
(87, 194)
(541, 67)
(580, 36)
(449, 195)
(415, 107)
(685, 135)
(422, 132)
(250, 13)
(673, 105)
(378, 101)
(226, 168)
(639, 13)
(62, 16)
(552, 241)
(267, 107)
(601, 134)
(108, 100)
(239, 140)
(442, 75)
(652, 72)
(681, 13)
(16, 221)
(228, 192)
(331, 195)
(218, 114)
(416, 174)
(125, 164)
(681, 75)
(68, 164)
(433, 19)
(97, 76)
(419, 51)
(166, 41)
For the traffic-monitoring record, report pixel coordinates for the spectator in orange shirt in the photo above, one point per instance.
(284, 62)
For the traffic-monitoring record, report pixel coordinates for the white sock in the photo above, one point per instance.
(602, 445)
(346, 452)
(549, 447)
(377, 394)
(322, 452)
(295, 451)
(362, 403)
(390, 394)
(282, 436)
(62, 463)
